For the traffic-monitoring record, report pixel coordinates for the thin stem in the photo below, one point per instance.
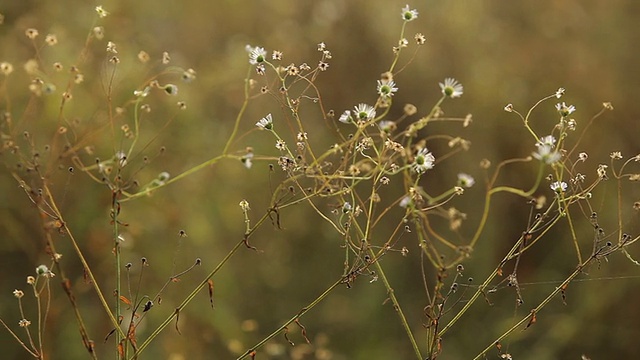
(187, 300)
(396, 306)
(293, 319)
(535, 310)
(236, 125)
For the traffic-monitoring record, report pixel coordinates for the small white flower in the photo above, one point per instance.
(257, 54)
(346, 208)
(42, 270)
(387, 126)
(346, 117)
(121, 157)
(559, 93)
(547, 140)
(281, 145)
(405, 201)
(162, 178)
(142, 93)
(546, 153)
(386, 88)
(564, 109)
(365, 112)
(465, 180)
(451, 88)
(409, 14)
(170, 89)
(423, 161)
(266, 123)
(246, 160)
(559, 186)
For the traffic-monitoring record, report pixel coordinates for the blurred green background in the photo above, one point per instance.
(502, 52)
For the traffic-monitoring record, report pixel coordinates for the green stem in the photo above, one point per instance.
(534, 311)
(187, 300)
(116, 244)
(396, 306)
(294, 318)
(240, 113)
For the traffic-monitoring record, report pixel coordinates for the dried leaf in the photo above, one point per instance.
(178, 319)
(303, 331)
(532, 320)
(286, 336)
(210, 283)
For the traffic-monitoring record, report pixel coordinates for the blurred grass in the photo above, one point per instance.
(506, 52)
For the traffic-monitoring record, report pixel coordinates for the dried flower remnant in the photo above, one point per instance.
(410, 109)
(98, 32)
(111, 47)
(51, 39)
(102, 13)
(143, 56)
(31, 33)
(602, 172)
(281, 145)
(583, 156)
(323, 66)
